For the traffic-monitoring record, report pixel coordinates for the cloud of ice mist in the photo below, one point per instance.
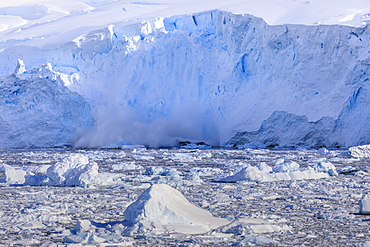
(188, 122)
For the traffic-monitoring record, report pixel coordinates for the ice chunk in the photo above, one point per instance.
(365, 204)
(189, 145)
(192, 179)
(205, 171)
(158, 170)
(75, 170)
(34, 224)
(162, 209)
(326, 167)
(286, 166)
(283, 172)
(21, 67)
(127, 166)
(256, 239)
(244, 226)
(323, 151)
(11, 175)
(249, 173)
(362, 151)
(264, 167)
(82, 226)
(66, 171)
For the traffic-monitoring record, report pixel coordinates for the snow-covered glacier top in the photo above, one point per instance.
(47, 22)
(92, 73)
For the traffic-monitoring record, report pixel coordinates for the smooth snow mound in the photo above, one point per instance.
(163, 209)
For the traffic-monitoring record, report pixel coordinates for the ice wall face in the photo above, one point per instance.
(284, 129)
(207, 76)
(37, 110)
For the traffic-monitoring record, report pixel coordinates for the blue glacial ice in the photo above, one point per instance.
(205, 77)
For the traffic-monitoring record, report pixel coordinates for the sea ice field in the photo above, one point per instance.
(184, 197)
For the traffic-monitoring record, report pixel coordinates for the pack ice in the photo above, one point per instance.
(163, 212)
(208, 76)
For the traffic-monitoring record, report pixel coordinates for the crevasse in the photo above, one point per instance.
(213, 75)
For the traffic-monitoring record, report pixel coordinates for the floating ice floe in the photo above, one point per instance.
(158, 170)
(244, 226)
(83, 233)
(34, 224)
(282, 171)
(189, 145)
(323, 151)
(126, 166)
(362, 151)
(256, 239)
(205, 171)
(365, 204)
(73, 170)
(162, 209)
(167, 175)
(10, 175)
(76, 170)
(183, 157)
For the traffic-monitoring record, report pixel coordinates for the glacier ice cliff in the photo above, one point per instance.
(38, 110)
(209, 77)
(290, 130)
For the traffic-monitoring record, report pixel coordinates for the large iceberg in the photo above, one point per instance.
(162, 209)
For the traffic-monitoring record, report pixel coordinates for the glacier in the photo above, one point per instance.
(214, 77)
(38, 110)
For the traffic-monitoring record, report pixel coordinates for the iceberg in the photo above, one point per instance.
(365, 204)
(362, 151)
(162, 209)
(285, 171)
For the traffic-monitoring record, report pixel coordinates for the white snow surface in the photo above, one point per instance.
(158, 72)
